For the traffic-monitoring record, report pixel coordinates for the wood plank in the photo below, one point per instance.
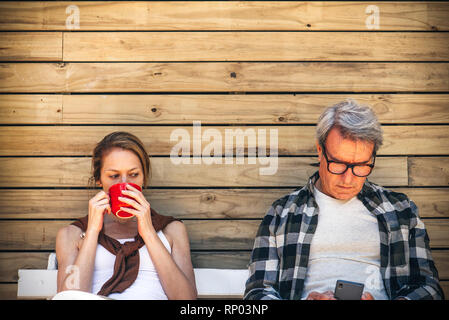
(257, 77)
(29, 235)
(58, 171)
(221, 260)
(27, 46)
(8, 291)
(81, 140)
(441, 259)
(208, 15)
(222, 234)
(445, 286)
(425, 171)
(32, 77)
(291, 171)
(30, 109)
(415, 140)
(10, 262)
(186, 203)
(291, 140)
(213, 109)
(255, 46)
(223, 77)
(203, 234)
(432, 202)
(438, 231)
(257, 109)
(182, 203)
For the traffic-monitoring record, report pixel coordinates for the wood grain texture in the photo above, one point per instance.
(186, 203)
(291, 171)
(445, 287)
(8, 291)
(438, 231)
(182, 203)
(441, 258)
(270, 109)
(10, 262)
(32, 77)
(224, 15)
(203, 234)
(428, 171)
(291, 140)
(223, 77)
(255, 46)
(431, 202)
(30, 109)
(31, 46)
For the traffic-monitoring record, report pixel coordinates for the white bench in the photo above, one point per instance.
(210, 283)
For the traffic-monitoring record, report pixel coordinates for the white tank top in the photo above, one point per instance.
(147, 285)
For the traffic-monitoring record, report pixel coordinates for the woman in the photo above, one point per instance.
(124, 258)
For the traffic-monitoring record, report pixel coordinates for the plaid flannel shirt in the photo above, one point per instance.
(280, 256)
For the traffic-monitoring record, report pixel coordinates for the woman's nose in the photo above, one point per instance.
(123, 179)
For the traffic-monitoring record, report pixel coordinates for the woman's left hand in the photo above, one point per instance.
(142, 209)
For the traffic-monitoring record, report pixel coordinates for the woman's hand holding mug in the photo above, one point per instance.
(97, 207)
(139, 207)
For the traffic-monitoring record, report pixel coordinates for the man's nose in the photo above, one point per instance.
(347, 177)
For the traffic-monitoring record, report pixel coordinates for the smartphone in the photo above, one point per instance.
(347, 290)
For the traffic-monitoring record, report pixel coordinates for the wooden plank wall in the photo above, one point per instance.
(153, 67)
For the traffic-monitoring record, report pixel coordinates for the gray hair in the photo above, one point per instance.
(354, 121)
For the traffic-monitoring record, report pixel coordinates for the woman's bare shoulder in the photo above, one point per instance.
(175, 232)
(175, 228)
(68, 235)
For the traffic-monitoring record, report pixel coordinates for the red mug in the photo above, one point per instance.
(115, 191)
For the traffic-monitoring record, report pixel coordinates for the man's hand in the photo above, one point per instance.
(328, 295)
(367, 296)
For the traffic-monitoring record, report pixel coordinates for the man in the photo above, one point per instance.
(340, 226)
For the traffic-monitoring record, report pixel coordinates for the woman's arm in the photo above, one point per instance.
(75, 262)
(66, 253)
(175, 271)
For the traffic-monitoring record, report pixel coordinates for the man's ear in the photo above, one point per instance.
(319, 150)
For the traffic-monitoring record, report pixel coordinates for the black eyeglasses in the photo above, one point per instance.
(358, 169)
